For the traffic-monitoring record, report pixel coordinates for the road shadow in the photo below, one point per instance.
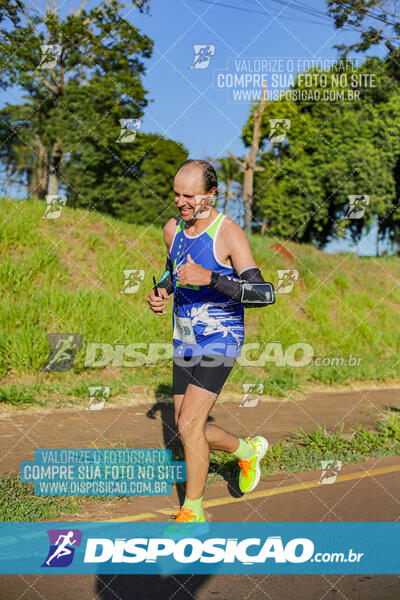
(143, 587)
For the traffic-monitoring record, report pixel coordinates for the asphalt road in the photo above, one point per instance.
(368, 491)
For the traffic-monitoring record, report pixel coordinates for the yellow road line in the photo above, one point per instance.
(285, 489)
(138, 517)
(298, 486)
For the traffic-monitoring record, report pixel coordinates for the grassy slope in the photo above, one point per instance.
(65, 275)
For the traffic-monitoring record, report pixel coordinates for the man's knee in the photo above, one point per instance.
(189, 425)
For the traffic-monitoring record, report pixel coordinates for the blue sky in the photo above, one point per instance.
(185, 103)
(187, 106)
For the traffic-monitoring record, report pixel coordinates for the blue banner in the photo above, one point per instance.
(208, 548)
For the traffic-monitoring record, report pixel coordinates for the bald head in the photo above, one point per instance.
(201, 171)
(195, 184)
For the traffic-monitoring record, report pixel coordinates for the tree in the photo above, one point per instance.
(249, 164)
(95, 78)
(377, 21)
(15, 157)
(333, 150)
(135, 185)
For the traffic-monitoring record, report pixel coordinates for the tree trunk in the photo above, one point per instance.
(54, 172)
(249, 165)
(248, 198)
(38, 182)
(264, 225)
(227, 186)
(29, 176)
(9, 172)
(377, 238)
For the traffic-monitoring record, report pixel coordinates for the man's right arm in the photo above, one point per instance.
(166, 279)
(165, 284)
(169, 232)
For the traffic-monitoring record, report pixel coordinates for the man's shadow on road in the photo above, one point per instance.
(143, 587)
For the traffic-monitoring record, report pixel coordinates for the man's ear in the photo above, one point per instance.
(212, 196)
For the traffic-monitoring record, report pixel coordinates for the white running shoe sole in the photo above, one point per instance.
(264, 443)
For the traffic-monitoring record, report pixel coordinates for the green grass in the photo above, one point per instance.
(304, 451)
(20, 396)
(18, 502)
(66, 275)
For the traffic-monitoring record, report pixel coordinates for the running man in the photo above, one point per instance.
(62, 549)
(213, 276)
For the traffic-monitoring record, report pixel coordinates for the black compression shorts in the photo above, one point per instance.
(208, 371)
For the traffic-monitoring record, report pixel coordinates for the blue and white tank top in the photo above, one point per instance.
(204, 321)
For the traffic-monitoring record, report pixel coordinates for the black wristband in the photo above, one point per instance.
(166, 280)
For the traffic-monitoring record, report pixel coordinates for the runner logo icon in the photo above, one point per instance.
(61, 551)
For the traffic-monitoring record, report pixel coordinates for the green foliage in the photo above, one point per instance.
(65, 132)
(333, 149)
(376, 21)
(19, 503)
(18, 396)
(135, 185)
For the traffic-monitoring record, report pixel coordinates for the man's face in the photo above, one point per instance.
(190, 196)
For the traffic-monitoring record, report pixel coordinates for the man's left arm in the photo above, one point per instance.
(250, 289)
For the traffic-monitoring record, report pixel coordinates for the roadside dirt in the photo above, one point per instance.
(151, 425)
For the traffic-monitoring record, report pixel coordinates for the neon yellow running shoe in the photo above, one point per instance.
(186, 523)
(250, 469)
